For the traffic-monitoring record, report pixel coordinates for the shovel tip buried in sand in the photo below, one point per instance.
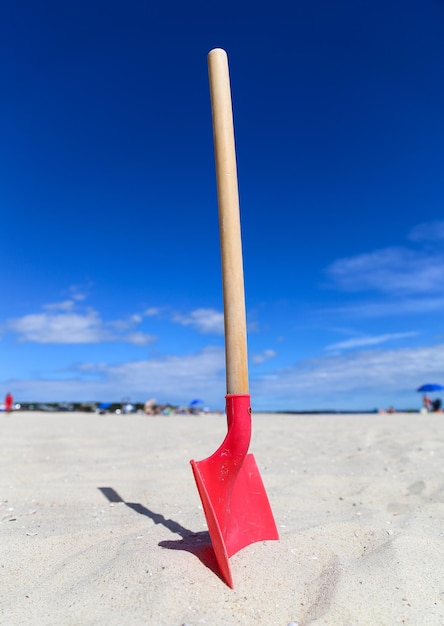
(233, 495)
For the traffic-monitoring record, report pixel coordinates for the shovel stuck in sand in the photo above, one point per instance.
(233, 495)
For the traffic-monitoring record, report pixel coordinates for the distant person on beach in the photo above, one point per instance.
(8, 403)
(436, 405)
(426, 402)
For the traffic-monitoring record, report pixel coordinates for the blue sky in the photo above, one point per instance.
(111, 275)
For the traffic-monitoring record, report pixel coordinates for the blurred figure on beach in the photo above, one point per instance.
(436, 405)
(149, 406)
(431, 406)
(8, 402)
(426, 402)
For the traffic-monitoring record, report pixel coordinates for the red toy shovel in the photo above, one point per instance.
(231, 489)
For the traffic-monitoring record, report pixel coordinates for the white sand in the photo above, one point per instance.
(359, 502)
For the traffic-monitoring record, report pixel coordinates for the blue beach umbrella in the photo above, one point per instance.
(430, 387)
(195, 402)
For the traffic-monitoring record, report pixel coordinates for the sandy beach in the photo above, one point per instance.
(101, 522)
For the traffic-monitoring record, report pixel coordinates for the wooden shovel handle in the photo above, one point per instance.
(229, 224)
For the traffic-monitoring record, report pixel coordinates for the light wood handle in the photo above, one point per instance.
(229, 224)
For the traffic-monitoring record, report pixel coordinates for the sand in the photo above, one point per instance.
(101, 522)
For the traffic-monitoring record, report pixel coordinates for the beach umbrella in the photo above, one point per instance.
(196, 402)
(233, 496)
(430, 387)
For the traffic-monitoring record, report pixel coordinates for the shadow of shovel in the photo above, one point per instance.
(198, 543)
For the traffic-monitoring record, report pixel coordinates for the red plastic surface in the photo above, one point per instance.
(233, 495)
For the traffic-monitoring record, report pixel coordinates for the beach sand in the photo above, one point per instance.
(101, 522)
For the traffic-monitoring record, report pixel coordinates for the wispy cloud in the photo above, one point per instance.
(408, 280)
(336, 381)
(139, 338)
(78, 292)
(176, 379)
(65, 305)
(204, 320)
(429, 231)
(391, 270)
(392, 307)
(266, 355)
(65, 323)
(361, 342)
(68, 322)
(59, 328)
(153, 311)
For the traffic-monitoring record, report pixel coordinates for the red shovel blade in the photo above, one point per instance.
(233, 495)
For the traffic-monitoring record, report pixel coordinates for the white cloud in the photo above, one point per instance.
(66, 305)
(77, 292)
(61, 324)
(172, 373)
(351, 381)
(204, 320)
(361, 342)
(176, 379)
(120, 326)
(343, 381)
(258, 359)
(430, 231)
(391, 270)
(139, 339)
(400, 306)
(59, 328)
(153, 311)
